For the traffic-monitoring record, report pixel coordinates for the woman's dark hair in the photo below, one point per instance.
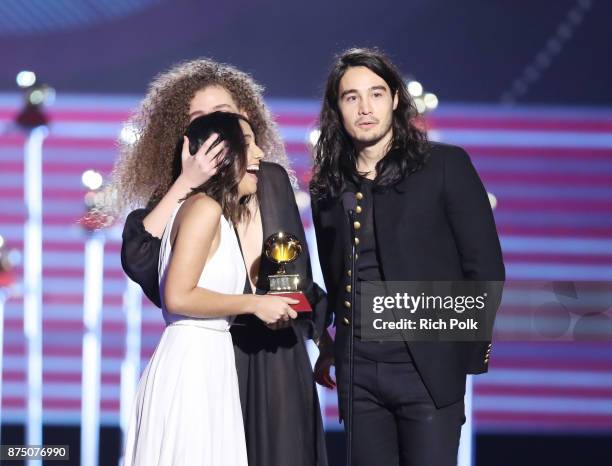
(231, 163)
(335, 154)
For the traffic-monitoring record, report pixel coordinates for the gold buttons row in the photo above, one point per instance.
(356, 226)
(488, 354)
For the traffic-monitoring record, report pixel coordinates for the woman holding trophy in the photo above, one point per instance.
(187, 408)
(280, 409)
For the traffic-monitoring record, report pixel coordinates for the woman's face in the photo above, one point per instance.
(248, 183)
(211, 99)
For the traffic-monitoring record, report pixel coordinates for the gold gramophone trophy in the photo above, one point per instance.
(282, 248)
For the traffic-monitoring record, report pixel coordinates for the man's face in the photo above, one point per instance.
(366, 105)
(211, 99)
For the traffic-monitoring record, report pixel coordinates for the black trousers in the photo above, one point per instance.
(395, 420)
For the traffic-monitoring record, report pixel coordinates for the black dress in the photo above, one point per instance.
(278, 395)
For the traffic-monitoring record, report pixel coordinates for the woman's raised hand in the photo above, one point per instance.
(200, 167)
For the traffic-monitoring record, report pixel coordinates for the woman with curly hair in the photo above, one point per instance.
(187, 408)
(278, 397)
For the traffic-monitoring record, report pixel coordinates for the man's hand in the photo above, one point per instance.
(324, 362)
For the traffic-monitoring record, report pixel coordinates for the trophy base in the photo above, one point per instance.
(302, 306)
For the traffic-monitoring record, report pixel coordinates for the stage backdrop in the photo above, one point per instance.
(550, 169)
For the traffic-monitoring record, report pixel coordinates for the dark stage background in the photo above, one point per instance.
(471, 51)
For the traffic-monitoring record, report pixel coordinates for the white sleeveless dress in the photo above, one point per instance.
(187, 409)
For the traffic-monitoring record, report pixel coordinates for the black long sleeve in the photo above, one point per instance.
(473, 225)
(140, 255)
(324, 316)
(471, 219)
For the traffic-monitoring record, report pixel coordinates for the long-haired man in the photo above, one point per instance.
(422, 214)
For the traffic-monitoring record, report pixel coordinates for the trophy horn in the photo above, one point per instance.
(282, 248)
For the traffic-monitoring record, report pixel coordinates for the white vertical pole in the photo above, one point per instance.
(466, 450)
(130, 367)
(2, 301)
(32, 278)
(92, 320)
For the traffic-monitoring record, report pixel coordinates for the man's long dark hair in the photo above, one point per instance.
(335, 154)
(231, 163)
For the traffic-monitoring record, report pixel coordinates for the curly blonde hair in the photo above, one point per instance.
(142, 174)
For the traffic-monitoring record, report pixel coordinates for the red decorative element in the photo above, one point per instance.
(302, 306)
(7, 275)
(7, 279)
(94, 220)
(31, 117)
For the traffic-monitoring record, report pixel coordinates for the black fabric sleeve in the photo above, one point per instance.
(140, 255)
(473, 225)
(471, 218)
(324, 316)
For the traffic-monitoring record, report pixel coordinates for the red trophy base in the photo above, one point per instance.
(302, 306)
